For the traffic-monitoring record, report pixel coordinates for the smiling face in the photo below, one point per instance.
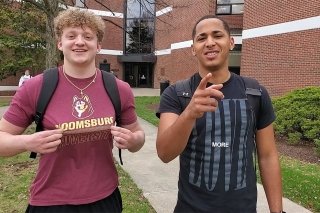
(79, 45)
(211, 45)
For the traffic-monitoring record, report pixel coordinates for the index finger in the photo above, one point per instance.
(52, 131)
(204, 81)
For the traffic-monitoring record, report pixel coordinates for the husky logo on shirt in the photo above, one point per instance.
(82, 107)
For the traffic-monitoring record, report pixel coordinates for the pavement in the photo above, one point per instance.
(8, 88)
(159, 180)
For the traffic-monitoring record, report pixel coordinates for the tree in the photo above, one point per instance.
(22, 42)
(51, 9)
(140, 37)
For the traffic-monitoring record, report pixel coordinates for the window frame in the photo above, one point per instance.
(229, 6)
(149, 20)
(80, 3)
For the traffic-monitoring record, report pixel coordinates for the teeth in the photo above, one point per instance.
(211, 53)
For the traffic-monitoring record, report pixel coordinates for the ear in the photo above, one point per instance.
(99, 47)
(193, 50)
(59, 44)
(75, 98)
(231, 43)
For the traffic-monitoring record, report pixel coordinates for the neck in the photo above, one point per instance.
(218, 76)
(79, 71)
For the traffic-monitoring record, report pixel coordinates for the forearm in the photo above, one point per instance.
(139, 139)
(172, 141)
(271, 180)
(11, 145)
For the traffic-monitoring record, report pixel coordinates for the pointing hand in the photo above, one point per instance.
(204, 99)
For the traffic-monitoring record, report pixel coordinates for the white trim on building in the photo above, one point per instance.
(120, 15)
(164, 11)
(286, 27)
(110, 52)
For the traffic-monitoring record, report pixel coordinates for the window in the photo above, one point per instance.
(228, 7)
(79, 3)
(140, 18)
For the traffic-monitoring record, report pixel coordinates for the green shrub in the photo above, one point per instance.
(317, 149)
(298, 115)
(294, 138)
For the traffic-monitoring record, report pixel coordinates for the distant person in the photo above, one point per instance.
(25, 77)
(217, 134)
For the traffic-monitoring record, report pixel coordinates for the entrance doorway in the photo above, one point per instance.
(139, 74)
(235, 70)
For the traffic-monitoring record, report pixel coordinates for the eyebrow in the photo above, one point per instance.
(213, 32)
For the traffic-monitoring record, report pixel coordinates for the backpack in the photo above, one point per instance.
(49, 84)
(252, 90)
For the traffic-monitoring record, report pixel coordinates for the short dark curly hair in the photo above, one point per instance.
(225, 24)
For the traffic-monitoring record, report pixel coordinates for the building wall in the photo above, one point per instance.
(257, 14)
(285, 61)
(172, 28)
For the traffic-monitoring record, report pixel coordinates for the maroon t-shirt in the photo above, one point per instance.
(82, 169)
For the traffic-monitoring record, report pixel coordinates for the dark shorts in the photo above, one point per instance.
(112, 203)
(183, 207)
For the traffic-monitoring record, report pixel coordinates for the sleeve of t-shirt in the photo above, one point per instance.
(128, 113)
(267, 115)
(169, 102)
(22, 107)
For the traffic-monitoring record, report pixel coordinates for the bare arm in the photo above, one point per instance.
(129, 137)
(270, 167)
(174, 130)
(13, 143)
(173, 134)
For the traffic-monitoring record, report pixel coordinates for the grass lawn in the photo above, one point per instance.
(17, 173)
(5, 100)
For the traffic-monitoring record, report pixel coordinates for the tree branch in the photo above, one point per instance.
(35, 3)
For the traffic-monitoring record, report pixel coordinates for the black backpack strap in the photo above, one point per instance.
(49, 84)
(184, 93)
(253, 92)
(110, 85)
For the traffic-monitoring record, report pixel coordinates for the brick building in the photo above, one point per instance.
(281, 44)
(276, 42)
(167, 54)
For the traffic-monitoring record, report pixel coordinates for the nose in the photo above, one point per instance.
(79, 40)
(210, 41)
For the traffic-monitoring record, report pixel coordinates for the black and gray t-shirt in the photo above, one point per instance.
(217, 166)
